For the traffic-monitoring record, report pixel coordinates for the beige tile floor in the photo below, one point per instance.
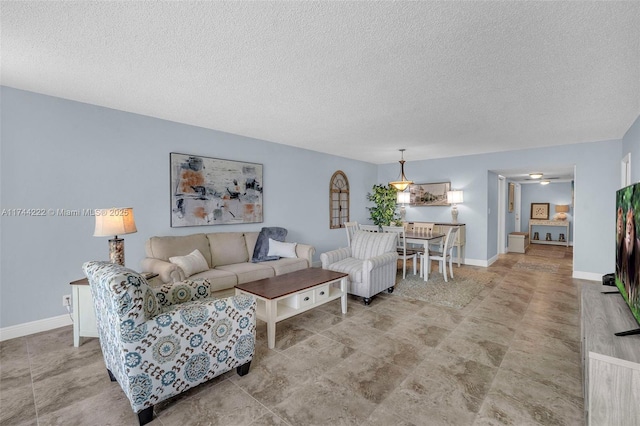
(512, 356)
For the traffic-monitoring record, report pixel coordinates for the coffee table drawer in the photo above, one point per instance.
(306, 298)
(321, 293)
(299, 300)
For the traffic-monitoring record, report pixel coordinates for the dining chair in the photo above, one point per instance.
(425, 228)
(351, 228)
(369, 228)
(401, 248)
(442, 256)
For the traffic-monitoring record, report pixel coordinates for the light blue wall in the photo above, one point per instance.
(631, 143)
(597, 179)
(56, 153)
(554, 194)
(61, 154)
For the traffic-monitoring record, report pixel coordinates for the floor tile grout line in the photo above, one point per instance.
(261, 404)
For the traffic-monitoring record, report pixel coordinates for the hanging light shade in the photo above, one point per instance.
(401, 184)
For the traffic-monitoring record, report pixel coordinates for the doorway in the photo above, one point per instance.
(524, 189)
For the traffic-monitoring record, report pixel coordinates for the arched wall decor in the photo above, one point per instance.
(338, 200)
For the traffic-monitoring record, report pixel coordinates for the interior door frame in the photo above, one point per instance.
(502, 216)
(517, 207)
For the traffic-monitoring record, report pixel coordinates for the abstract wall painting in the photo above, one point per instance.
(212, 191)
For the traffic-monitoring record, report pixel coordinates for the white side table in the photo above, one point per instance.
(84, 317)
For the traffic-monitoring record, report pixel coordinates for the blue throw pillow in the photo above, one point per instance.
(261, 251)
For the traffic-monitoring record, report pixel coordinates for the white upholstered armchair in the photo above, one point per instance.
(370, 261)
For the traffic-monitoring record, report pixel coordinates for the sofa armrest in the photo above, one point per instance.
(379, 261)
(167, 271)
(305, 251)
(334, 256)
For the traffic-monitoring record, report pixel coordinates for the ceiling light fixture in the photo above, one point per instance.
(544, 182)
(401, 184)
(536, 175)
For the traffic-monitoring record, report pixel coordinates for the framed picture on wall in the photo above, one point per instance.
(212, 191)
(429, 194)
(540, 211)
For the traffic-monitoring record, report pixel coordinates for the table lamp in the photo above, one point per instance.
(454, 197)
(561, 212)
(114, 222)
(403, 198)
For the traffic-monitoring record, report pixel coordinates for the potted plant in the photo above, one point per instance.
(384, 212)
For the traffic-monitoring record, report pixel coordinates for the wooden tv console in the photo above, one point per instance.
(611, 364)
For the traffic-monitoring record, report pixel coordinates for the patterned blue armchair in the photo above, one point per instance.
(159, 342)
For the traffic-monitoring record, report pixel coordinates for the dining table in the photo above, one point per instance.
(424, 239)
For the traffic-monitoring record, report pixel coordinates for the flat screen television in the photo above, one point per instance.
(627, 273)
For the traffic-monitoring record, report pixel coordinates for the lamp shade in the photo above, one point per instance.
(562, 208)
(115, 221)
(455, 197)
(404, 197)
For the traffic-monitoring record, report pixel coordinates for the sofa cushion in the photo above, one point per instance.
(192, 263)
(280, 249)
(249, 271)
(366, 245)
(286, 265)
(227, 248)
(261, 251)
(351, 266)
(165, 247)
(218, 279)
(251, 238)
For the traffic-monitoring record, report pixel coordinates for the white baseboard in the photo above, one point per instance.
(591, 276)
(33, 327)
(478, 262)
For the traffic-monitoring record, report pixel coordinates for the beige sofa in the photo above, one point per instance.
(228, 255)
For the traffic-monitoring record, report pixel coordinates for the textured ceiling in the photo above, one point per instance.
(355, 79)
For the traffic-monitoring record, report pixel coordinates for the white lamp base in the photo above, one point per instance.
(454, 214)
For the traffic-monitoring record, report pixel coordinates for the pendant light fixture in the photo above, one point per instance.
(401, 184)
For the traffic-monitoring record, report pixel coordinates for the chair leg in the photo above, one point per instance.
(111, 376)
(404, 268)
(451, 266)
(443, 268)
(145, 416)
(414, 261)
(243, 369)
(427, 268)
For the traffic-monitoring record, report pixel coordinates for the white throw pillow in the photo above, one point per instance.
(277, 248)
(192, 263)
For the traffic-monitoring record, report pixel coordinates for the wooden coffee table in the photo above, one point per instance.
(286, 295)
